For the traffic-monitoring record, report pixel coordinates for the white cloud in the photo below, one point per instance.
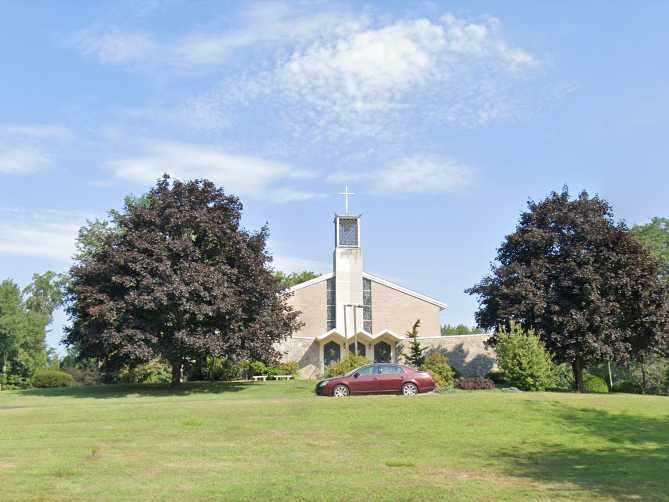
(246, 175)
(45, 234)
(415, 174)
(423, 175)
(114, 46)
(36, 131)
(23, 146)
(359, 80)
(21, 161)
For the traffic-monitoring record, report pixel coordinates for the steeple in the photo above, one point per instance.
(347, 268)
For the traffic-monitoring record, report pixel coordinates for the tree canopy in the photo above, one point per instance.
(582, 282)
(290, 280)
(24, 317)
(176, 277)
(655, 236)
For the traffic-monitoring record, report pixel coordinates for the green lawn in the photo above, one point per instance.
(277, 441)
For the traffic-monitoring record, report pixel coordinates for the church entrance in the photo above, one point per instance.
(331, 353)
(382, 353)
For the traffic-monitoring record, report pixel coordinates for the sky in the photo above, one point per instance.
(444, 118)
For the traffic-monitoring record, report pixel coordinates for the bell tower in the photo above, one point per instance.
(347, 269)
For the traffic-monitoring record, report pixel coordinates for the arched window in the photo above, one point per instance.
(361, 349)
(331, 353)
(382, 353)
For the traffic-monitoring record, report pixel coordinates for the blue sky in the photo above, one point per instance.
(443, 118)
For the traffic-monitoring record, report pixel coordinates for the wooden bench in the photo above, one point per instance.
(283, 377)
(260, 377)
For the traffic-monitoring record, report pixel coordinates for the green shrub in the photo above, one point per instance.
(474, 383)
(563, 377)
(288, 368)
(497, 377)
(11, 382)
(52, 378)
(594, 384)
(347, 364)
(437, 365)
(257, 368)
(84, 376)
(156, 371)
(523, 359)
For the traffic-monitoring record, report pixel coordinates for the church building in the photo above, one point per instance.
(351, 311)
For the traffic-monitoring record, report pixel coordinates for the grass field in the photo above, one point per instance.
(277, 441)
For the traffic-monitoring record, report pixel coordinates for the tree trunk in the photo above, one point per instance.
(176, 373)
(643, 376)
(577, 368)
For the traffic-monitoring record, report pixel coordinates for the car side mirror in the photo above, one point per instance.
(356, 375)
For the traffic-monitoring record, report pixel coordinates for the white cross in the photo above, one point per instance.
(346, 195)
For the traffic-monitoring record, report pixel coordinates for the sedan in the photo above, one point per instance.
(379, 378)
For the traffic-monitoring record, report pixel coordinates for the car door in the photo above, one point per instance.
(391, 378)
(364, 382)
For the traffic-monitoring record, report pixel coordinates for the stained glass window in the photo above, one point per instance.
(331, 353)
(331, 305)
(382, 353)
(361, 349)
(348, 232)
(367, 305)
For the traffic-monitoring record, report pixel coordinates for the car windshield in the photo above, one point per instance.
(363, 370)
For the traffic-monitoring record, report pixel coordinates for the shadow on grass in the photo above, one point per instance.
(632, 463)
(148, 390)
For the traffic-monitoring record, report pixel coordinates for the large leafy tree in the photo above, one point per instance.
(655, 236)
(582, 282)
(176, 276)
(24, 317)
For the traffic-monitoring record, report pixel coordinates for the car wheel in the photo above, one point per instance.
(340, 391)
(409, 389)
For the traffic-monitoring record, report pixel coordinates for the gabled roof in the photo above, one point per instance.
(311, 282)
(377, 279)
(407, 291)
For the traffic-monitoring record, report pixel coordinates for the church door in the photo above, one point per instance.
(331, 353)
(382, 353)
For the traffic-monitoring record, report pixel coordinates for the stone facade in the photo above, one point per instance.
(466, 353)
(310, 301)
(398, 311)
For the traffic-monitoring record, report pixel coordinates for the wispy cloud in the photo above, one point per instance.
(21, 161)
(415, 174)
(24, 147)
(45, 234)
(242, 174)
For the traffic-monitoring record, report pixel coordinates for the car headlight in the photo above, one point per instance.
(322, 384)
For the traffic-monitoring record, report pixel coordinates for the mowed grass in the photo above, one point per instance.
(277, 441)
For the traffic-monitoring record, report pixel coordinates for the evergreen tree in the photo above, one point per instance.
(416, 351)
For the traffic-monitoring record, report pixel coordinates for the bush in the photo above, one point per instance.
(84, 376)
(594, 384)
(437, 365)
(497, 377)
(474, 383)
(257, 368)
(156, 371)
(46, 379)
(288, 368)
(347, 364)
(523, 359)
(11, 382)
(563, 377)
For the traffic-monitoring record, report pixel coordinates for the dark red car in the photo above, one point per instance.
(379, 378)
